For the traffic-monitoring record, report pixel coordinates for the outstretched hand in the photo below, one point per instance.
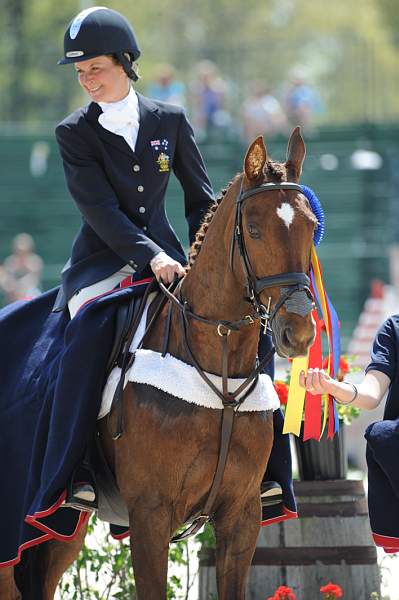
(317, 381)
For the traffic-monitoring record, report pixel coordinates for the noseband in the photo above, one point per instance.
(290, 283)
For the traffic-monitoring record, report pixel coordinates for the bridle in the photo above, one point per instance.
(291, 282)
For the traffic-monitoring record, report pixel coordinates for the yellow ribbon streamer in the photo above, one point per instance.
(296, 394)
(296, 397)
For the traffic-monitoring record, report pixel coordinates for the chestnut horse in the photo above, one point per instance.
(252, 246)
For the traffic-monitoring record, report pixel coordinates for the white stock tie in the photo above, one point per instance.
(121, 119)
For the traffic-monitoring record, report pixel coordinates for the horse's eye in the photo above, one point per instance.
(253, 231)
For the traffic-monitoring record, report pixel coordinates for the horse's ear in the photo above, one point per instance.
(255, 159)
(296, 152)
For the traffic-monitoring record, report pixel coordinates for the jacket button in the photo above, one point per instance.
(136, 168)
(133, 264)
(140, 188)
(141, 209)
(145, 228)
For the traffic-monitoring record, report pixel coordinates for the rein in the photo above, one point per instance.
(224, 328)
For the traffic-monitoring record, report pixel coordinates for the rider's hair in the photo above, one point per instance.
(125, 59)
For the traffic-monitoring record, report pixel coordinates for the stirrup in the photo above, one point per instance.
(270, 493)
(81, 496)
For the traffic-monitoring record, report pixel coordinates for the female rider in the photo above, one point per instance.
(118, 153)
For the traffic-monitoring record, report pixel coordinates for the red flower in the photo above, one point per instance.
(284, 593)
(343, 365)
(282, 391)
(331, 591)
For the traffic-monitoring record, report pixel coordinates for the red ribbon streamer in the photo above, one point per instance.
(313, 407)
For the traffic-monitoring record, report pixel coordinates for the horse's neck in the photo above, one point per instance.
(213, 291)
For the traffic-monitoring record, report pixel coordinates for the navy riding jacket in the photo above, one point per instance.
(121, 193)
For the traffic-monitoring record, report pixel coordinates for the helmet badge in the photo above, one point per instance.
(78, 20)
(74, 53)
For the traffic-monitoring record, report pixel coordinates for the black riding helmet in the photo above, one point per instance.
(97, 31)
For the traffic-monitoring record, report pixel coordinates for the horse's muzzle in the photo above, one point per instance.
(293, 335)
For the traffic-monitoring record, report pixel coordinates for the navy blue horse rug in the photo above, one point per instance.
(52, 372)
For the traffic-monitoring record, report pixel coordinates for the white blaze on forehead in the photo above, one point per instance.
(286, 213)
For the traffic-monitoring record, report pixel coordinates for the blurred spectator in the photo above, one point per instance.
(21, 272)
(262, 113)
(302, 102)
(208, 93)
(166, 87)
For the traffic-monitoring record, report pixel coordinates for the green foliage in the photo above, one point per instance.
(103, 570)
(390, 16)
(206, 538)
(347, 413)
(352, 61)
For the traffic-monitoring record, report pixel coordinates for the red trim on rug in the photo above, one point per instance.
(49, 511)
(84, 515)
(288, 514)
(386, 541)
(132, 284)
(48, 533)
(25, 546)
(120, 536)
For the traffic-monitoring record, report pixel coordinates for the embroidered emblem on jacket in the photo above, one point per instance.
(163, 162)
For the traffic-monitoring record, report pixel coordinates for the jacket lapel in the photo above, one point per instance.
(149, 121)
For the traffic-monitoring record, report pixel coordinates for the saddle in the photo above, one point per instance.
(127, 321)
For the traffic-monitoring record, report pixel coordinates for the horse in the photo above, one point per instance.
(251, 254)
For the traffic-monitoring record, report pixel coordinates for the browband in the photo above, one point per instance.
(265, 187)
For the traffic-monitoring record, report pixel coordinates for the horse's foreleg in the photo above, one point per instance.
(8, 589)
(236, 536)
(56, 557)
(149, 543)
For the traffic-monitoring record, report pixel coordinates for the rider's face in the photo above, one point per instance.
(103, 79)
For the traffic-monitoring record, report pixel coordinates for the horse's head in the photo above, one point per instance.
(271, 247)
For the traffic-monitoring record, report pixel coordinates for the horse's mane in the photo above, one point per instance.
(274, 171)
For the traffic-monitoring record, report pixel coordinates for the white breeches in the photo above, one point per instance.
(97, 289)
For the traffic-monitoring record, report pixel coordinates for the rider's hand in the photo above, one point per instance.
(317, 381)
(166, 268)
